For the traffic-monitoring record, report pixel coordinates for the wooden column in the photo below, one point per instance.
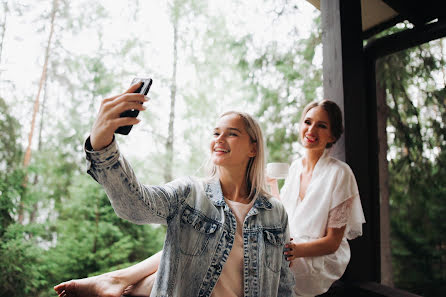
(347, 83)
(384, 194)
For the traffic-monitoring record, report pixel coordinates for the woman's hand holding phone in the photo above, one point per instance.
(108, 118)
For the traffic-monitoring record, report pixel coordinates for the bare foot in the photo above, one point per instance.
(104, 285)
(141, 288)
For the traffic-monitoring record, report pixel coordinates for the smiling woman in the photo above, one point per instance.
(220, 230)
(93, 53)
(322, 201)
(256, 166)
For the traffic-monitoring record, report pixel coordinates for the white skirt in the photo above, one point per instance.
(315, 275)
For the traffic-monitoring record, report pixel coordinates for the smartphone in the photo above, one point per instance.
(146, 83)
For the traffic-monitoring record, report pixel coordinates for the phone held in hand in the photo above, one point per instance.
(146, 83)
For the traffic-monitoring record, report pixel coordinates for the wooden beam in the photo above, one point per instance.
(332, 61)
(410, 10)
(363, 289)
(405, 39)
(384, 193)
(381, 27)
(418, 12)
(345, 83)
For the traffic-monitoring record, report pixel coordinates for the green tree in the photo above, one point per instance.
(283, 78)
(91, 239)
(10, 170)
(19, 257)
(415, 99)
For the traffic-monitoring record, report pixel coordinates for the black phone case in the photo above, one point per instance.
(143, 89)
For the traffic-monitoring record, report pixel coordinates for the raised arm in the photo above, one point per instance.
(130, 199)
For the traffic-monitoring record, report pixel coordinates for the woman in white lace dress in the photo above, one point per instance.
(321, 197)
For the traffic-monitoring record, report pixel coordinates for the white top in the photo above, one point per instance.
(331, 200)
(230, 282)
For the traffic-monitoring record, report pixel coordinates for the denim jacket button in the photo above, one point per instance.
(218, 268)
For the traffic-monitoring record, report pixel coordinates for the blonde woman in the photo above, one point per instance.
(225, 235)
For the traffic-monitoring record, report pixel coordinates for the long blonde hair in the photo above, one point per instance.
(255, 172)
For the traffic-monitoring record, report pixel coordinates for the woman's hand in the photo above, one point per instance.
(108, 119)
(270, 180)
(315, 248)
(292, 251)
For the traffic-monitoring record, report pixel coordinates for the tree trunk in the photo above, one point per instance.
(35, 208)
(173, 90)
(386, 255)
(27, 158)
(3, 27)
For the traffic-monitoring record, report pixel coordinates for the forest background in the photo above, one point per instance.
(59, 58)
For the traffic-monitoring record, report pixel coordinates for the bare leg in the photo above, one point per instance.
(111, 284)
(141, 288)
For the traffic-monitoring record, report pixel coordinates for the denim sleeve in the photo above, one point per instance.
(130, 199)
(286, 282)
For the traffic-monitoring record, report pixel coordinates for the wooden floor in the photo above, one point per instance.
(366, 289)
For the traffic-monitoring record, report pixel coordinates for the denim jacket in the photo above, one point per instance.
(200, 229)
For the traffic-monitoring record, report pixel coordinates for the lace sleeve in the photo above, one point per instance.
(338, 216)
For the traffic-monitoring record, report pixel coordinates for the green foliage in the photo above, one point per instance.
(90, 237)
(282, 82)
(71, 230)
(20, 263)
(11, 175)
(417, 148)
(11, 189)
(19, 254)
(10, 151)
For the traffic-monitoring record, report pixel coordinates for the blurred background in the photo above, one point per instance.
(59, 59)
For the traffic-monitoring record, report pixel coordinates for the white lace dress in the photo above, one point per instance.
(331, 200)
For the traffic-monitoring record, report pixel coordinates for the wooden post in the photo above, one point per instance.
(346, 83)
(386, 250)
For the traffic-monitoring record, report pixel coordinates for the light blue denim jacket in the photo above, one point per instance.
(200, 229)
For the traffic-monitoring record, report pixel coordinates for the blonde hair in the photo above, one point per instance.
(255, 172)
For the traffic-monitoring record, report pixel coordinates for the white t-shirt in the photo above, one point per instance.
(230, 282)
(331, 200)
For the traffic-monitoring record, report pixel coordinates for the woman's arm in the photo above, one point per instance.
(319, 247)
(133, 274)
(130, 199)
(274, 187)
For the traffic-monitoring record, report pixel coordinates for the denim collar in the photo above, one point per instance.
(215, 194)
